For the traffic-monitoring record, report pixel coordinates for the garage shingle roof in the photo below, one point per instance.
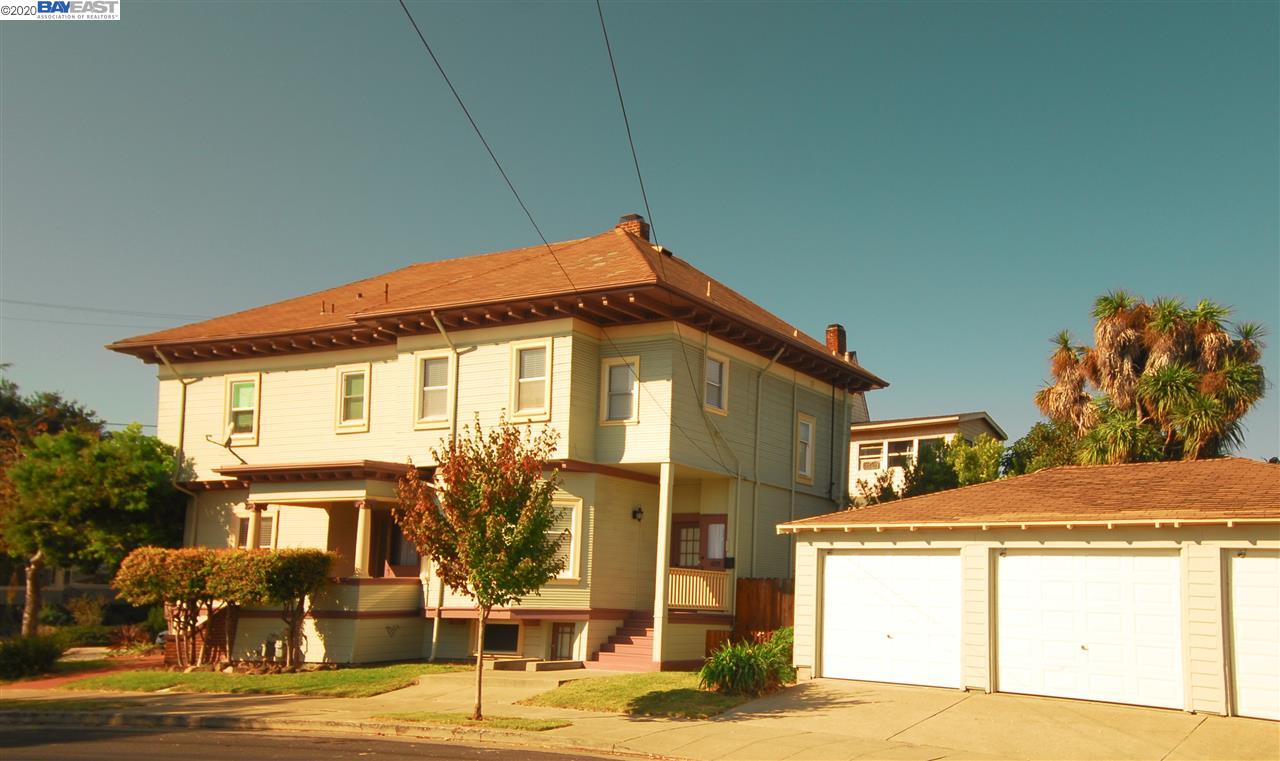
(1224, 489)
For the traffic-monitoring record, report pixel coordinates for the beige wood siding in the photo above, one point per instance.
(622, 571)
(1201, 549)
(687, 642)
(301, 527)
(387, 639)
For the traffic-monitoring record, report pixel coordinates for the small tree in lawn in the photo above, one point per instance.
(488, 530)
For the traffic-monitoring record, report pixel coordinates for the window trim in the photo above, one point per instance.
(859, 457)
(724, 383)
(421, 423)
(271, 515)
(573, 572)
(534, 415)
(605, 366)
(243, 439)
(475, 637)
(805, 475)
(341, 373)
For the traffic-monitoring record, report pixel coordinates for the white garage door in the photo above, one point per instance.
(892, 617)
(1255, 634)
(1098, 626)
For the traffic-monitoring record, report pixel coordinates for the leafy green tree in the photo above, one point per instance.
(1046, 445)
(489, 528)
(974, 462)
(932, 471)
(80, 500)
(1171, 382)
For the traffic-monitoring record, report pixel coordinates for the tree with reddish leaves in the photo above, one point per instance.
(487, 522)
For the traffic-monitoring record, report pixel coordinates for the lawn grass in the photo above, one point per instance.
(353, 682)
(65, 704)
(63, 668)
(490, 722)
(671, 693)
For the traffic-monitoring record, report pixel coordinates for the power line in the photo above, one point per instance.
(531, 221)
(4, 318)
(104, 310)
(653, 230)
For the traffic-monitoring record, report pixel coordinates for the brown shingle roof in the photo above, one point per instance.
(614, 259)
(1229, 488)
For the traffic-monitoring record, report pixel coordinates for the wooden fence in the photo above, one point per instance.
(762, 606)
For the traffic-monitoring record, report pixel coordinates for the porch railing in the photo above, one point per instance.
(697, 589)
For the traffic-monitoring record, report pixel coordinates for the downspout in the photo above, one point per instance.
(180, 454)
(755, 457)
(453, 437)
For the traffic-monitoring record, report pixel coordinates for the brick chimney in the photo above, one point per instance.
(634, 224)
(836, 338)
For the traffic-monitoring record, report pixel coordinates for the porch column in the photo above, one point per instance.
(666, 491)
(255, 524)
(364, 521)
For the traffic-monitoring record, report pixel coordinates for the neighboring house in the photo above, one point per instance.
(880, 446)
(1154, 584)
(691, 421)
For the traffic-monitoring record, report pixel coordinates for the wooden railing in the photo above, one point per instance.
(697, 589)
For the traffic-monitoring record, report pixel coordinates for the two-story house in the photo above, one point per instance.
(880, 447)
(691, 421)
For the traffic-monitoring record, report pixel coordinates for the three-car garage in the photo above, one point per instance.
(1152, 585)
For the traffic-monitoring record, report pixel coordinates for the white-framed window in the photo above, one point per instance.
(806, 426)
(620, 390)
(263, 541)
(353, 398)
(870, 455)
(434, 379)
(531, 380)
(715, 384)
(568, 526)
(243, 396)
(901, 453)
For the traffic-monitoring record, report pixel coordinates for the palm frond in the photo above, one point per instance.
(1209, 313)
(1113, 302)
(1200, 423)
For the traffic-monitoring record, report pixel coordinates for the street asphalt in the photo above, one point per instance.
(72, 744)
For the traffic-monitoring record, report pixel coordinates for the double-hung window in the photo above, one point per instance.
(531, 381)
(901, 453)
(715, 394)
(433, 407)
(805, 427)
(262, 540)
(565, 531)
(620, 390)
(353, 398)
(242, 408)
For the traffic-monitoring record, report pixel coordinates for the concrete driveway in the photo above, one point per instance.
(892, 721)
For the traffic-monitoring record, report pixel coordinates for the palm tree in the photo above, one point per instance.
(1173, 383)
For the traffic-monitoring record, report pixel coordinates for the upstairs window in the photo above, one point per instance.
(715, 396)
(242, 408)
(353, 398)
(531, 392)
(869, 455)
(805, 426)
(433, 384)
(619, 402)
(900, 453)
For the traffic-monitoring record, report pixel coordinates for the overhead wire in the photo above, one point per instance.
(511, 186)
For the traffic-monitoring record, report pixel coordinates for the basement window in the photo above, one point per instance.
(501, 638)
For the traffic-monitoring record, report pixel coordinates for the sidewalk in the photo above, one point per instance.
(817, 720)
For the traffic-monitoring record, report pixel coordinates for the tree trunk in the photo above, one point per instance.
(478, 714)
(31, 606)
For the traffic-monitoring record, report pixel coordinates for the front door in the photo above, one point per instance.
(699, 541)
(562, 642)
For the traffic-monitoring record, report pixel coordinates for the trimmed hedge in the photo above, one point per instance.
(193, 579)
(28, 656)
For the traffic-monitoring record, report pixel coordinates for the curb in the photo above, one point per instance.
(424, 731)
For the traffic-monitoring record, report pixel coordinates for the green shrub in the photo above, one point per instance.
(87, 610)
(750, 668)
(28, 656)
(155, 622)
(82, 636)
(53, 615)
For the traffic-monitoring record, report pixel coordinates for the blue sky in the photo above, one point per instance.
(954, 182)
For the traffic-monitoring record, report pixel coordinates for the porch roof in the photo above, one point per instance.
(343, 470)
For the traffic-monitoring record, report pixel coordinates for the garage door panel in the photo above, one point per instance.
(1091, 625)
(892, 617)
(1255, 634)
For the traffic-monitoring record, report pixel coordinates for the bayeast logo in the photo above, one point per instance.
(79, 9)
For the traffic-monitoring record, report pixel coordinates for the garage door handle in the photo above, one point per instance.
(888, 636)
(1084, 647)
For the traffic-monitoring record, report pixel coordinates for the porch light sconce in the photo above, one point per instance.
(637, 513)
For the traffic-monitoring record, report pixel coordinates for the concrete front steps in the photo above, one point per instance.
(630, 648)
(531, 664)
